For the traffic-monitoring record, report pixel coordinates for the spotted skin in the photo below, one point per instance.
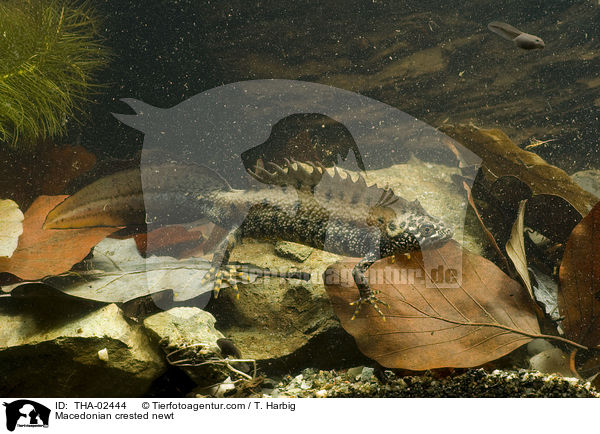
(326, 223)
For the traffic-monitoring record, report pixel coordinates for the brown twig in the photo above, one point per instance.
(227, 362)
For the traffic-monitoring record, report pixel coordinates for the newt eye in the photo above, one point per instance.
(392, 226)
(426, 229)
(380, 220)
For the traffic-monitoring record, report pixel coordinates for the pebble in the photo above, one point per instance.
(103, 355)
(305, 385)
(366, 374)
(536, 346)
(355, 372)
(321, 393)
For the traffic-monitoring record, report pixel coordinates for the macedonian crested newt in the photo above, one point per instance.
(302, 202)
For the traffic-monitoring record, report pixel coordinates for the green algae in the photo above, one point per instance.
(50, 50)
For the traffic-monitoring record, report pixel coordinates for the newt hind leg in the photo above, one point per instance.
(221, 271)
(366, 294)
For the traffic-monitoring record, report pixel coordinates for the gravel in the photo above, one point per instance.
(363, 382)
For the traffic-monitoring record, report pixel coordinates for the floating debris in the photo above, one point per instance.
(534, 143)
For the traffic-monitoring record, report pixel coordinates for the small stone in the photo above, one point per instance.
(103, 355)
(366, 374)
(308, 372)
(189, 333)
(218, 390)
(269, 383)
(321, 393)
(355, 372)
(552, 361)
(536, 346)
(293, 251)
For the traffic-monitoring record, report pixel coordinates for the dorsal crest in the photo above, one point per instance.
(326, 183)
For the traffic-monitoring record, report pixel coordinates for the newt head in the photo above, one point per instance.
(408, 227)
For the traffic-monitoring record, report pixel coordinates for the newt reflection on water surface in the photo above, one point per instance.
(303, 203)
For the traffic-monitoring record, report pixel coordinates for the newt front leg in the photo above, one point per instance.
(367, 295)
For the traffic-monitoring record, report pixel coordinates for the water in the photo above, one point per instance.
(417, 97)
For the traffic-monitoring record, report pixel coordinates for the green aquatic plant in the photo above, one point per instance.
(49, 50)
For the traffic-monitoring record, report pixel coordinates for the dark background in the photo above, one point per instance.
(435, 60)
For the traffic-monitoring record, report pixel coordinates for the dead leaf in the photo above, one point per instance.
(509, 191)
(11, 227)
(552, 216)
(545, 290)
(117, 273)
(579, 294)
(487, 316)
(501, 157)
(146, 305)
(42, 252)
(586, 364)
(515, 249)
(549, 214)
(175, 241)
(115, 200)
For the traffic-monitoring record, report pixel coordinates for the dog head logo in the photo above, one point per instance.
(26, 413)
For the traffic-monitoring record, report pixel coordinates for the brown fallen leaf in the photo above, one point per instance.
(515, 249)
(579, 294)
(501, 157)
(549, 214)
(487, 316)
(175, 241)
(42, 253)
(552, 216)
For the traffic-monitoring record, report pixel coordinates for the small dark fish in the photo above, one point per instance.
(521, 39)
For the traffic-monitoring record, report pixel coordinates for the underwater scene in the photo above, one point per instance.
(360, 198)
